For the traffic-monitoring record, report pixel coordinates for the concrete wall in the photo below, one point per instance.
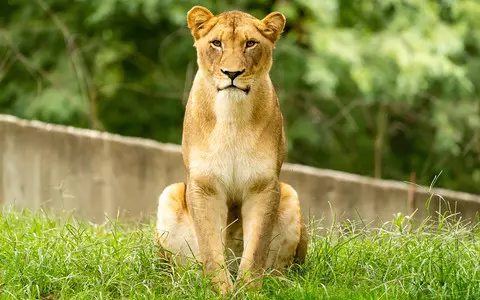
(44, 165)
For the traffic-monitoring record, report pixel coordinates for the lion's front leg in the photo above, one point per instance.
(209, 212)
(259, 213)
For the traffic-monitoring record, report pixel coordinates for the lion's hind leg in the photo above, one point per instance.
(174, 230)
(289, 240)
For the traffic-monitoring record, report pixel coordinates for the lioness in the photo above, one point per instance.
(233, 148)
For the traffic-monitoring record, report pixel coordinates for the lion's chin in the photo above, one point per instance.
(232, 87)
(233, 94)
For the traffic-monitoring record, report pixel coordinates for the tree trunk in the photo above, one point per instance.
(381, 124)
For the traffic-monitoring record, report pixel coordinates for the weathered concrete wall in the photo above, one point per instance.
(44, 165)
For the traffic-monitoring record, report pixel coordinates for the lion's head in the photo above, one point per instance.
(234, 48)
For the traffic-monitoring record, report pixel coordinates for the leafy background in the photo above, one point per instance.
(381, 88)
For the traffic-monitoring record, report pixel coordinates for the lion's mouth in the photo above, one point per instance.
(232, 86)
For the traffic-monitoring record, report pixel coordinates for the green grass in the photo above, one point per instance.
(44, 257)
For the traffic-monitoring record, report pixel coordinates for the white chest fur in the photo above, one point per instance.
(233, 156)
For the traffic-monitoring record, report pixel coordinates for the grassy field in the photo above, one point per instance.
(44, 257)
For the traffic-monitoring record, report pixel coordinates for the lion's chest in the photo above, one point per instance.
(234, 155)
(234, 160)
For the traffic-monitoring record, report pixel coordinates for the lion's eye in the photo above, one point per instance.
(251, 44)
(216, 43)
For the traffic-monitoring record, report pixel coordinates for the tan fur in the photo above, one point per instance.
(233, 148)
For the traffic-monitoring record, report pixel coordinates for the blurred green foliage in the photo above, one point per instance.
(377, 87)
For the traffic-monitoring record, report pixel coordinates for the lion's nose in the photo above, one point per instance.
(233, 74)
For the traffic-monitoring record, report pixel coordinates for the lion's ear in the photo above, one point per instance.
(196, 18)
(274, 25)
